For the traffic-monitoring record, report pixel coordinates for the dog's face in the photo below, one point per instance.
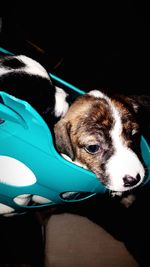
(100, 134)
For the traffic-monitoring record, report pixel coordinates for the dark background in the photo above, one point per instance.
(92, 46)
(103, 45)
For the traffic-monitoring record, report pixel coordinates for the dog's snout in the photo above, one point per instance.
(131, 181)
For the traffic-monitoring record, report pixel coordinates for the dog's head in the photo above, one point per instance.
(101, 133)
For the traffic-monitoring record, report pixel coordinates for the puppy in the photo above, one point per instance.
(25, 78)
(102, 134)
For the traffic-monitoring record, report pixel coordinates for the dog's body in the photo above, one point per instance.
(26, 79)
(102, 133)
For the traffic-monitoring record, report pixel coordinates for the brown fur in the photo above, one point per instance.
(128, 120)
(76, 130)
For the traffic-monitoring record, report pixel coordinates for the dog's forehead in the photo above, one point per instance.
(98, 108)
(88, 110)
(95, 113)
(113, 105)
(79, 108)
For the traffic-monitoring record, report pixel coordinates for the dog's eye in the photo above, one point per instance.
(92, 149)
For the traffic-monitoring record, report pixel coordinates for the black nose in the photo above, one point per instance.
(131, 181)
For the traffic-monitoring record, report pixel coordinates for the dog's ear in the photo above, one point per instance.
(138, 102)
(133, 103)
(62, 138)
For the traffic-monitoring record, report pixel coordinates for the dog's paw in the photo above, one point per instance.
(128, 200)
(61, 104)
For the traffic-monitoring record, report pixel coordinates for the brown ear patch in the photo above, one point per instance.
(62, 138)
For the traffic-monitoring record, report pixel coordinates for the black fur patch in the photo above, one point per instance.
(13, 63)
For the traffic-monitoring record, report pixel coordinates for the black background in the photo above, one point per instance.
(93, 45)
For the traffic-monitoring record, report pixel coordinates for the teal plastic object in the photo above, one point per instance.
(27, 149)
(25, 136)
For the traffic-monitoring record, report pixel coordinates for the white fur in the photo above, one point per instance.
(22, 199)
(97, 94)
(61, 105)
(14, 172)
(67, 195)
(40, 200)
(4, 209)
(76, 162)
(32, 68)
(124, 161)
